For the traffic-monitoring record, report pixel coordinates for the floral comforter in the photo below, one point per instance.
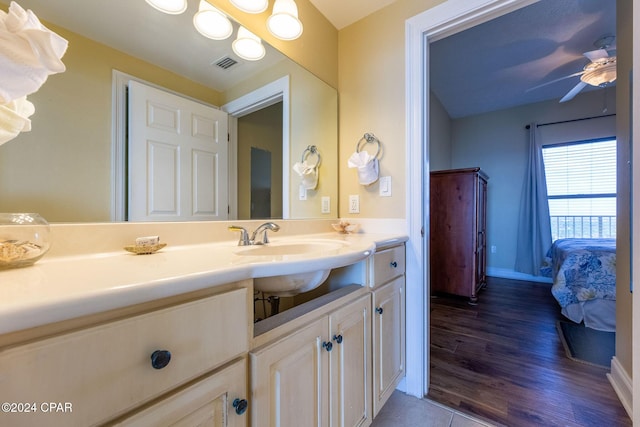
(582, 270)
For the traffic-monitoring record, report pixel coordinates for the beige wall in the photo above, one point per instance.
(313, 120)
(40, 170)
(372, 99)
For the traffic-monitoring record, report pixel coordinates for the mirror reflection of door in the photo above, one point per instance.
(260, 183)
(260, 132)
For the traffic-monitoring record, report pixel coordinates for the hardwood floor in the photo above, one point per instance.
(502, 361)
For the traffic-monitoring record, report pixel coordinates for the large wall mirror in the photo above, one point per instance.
(66, 167)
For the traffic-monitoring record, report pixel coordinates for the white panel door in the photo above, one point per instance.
(178, 153)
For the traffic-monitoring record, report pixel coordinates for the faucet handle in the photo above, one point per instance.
(244, 235)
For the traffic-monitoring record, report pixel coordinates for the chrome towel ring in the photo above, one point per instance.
(368, 138)
(312, 150)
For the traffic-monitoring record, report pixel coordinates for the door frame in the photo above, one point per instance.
(431, 25)
(265, 96)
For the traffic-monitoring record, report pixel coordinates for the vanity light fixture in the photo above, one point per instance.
(172, 7)
(283, 22)
(247, 45)
(212, 23)
(251, 6)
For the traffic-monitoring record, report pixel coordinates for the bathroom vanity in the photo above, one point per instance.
(169, 339)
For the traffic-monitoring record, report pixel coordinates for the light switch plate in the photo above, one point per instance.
(385, 186)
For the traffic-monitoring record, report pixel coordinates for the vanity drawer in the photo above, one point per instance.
(388, 264)
(105, 370)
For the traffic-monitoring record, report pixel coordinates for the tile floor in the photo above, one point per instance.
(404, 410)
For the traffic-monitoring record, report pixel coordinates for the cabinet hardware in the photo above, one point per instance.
(338, 339)
(394, 264)
(327, 345)
(160, 358)
(379, 310)
(240, 405)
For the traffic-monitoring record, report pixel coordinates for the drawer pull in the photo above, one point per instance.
(379, 310)
(241, 406)
(394, 264)
(160, 358)
(327, 345)
(338, 339)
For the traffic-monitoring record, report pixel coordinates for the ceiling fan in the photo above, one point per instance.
(600, 71)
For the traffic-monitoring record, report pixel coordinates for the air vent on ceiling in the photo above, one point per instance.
(225, 63)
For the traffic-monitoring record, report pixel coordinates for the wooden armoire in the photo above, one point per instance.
(458, 237)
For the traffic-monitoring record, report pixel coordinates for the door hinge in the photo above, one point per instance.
(422, 231)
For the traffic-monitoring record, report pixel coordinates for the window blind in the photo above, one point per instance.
(581, 183)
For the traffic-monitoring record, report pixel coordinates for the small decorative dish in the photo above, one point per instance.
(346, 227)
(144, 249)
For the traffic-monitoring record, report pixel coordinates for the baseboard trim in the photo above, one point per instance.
(621, 383)
(510, 274)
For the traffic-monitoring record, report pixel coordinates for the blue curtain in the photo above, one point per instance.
(534, 225)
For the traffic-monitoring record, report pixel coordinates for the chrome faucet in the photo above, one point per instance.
(245, 240)
(264, 227)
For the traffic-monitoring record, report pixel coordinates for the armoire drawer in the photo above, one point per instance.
(105, 370)
(388, 264)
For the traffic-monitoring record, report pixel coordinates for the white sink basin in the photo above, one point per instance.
(291, 284)
(284, 249)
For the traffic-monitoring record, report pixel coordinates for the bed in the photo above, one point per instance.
(584, 280)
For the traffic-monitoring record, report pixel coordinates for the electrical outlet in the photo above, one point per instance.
(494, 249)
(326, 205)
(302, 193)
(354, 203)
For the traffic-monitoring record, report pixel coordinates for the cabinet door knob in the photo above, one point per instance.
(327, 345)
(160, 358)
(338, 339)
(379, 310)
(241, 406)
(394, 264)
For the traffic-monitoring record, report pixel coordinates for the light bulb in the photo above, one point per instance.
(212, 23)
(248, 46)
(283, 22)
(172, 7)
(251, 6)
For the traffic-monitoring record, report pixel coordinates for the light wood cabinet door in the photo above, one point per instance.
(388, 340)
(350, 364)
(219, 400)
(289, 379)
(108, 370)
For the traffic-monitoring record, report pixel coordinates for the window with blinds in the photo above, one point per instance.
(581, 186)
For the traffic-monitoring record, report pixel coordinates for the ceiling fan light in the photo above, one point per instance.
(251, 6)
(248, 46)
(600, 72)
(212, 23)
(172, 7)
(283, 22)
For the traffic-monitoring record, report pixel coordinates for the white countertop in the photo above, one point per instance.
(62, 288)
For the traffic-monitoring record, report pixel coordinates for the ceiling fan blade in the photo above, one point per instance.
(556, 80)
(594, 55)
(573, 92)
